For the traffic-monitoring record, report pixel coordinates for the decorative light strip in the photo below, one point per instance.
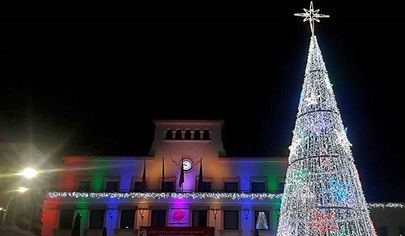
(232, 196)
(386, 205)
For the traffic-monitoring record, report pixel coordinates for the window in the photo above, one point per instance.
(197, 135)
(127, 219)
(278, 215)
(262, 220)
(66, 218)
(168, 187)
(169, 134)
(96, 219)
(158, 218)
(206, 135)
(206, 186)
(187, 135)
(231, 219)
(200, 218)
(231, 187)
(112, 186)
(258, 187)
(178, 134)
(281, 187)
(83, 186)
(139, 186)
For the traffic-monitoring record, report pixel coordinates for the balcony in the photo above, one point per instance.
(125, 232)
(227, 232)
(93, 232)
(62, 232)
(96, 232)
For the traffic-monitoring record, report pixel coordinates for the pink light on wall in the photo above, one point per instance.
(178, 216)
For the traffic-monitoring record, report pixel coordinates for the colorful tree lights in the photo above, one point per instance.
(299, 179)
(323, 194)
(324, 223)
(339, 190)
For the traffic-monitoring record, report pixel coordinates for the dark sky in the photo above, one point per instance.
(89, 79)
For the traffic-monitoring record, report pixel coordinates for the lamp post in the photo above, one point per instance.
(27, 173)
(215, 212)
(141, 213)
(19, 190)
(246, 213)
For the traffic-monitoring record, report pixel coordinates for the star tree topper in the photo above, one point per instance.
(311, 15)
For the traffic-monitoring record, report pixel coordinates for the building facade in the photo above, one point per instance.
(152, 194)
(142, 195)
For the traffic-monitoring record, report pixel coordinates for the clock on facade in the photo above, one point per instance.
(187, 164)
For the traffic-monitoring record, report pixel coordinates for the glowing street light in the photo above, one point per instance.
(22, 189)
(29, 173)
(19, 190)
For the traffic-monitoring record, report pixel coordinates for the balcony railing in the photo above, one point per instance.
(148, 190)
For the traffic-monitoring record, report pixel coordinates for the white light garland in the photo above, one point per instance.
(312, 99)
(386, 205)
(323, 193)
(133, 195)
(233, 196)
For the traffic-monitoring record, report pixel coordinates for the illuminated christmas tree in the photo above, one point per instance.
(323, 194)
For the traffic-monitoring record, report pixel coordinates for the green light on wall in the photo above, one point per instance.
(81, 207)
(98, 174)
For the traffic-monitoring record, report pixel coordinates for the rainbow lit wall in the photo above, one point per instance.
(216, 169)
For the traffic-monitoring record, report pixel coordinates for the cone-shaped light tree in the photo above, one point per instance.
(323, 194)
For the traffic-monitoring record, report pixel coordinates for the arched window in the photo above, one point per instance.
(187, 135)
(206, 135)
(178, 134)
(197, 135)
(169, 134)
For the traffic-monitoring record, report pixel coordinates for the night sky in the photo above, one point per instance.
(90, 79)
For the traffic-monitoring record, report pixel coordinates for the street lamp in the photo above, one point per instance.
(29, 173)
(20, 190)
(142, 212)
